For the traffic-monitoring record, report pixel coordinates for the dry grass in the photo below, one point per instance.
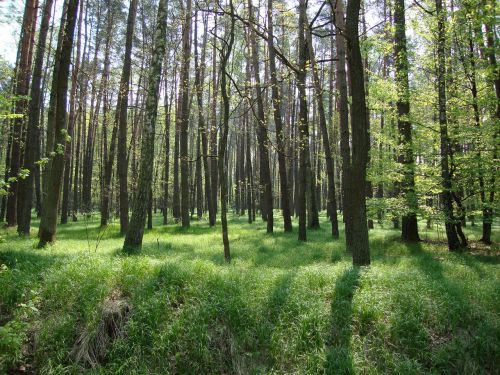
(94, 342)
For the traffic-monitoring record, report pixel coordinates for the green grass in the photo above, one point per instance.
(281, 306)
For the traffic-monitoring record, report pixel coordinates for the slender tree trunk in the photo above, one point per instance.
(262, 136)
(95, 104)
(343, 110)
(168, 106)
(199, 178)
(184, 114)
(213, 122)
(71, 123)
(356, 169)
(119, 127)
(450, 221)
(26, 185)
(54, 174)
(312, 201)
(278, 122)
(133, 239)
(23, 70)
(330, 168)
(409, 225)
(199, 78)
(303, 128)
(122, 108)
(223, 141)
(488, 207)
(108, 158)
(176, 202)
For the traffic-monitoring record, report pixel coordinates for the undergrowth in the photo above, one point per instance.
(281, 306)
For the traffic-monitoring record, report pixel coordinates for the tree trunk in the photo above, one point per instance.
(122, 107)
(71, 123)
(199, 78)
(168, 107)
(488, 207)
(184, 115)
(25, 197)
(450, 221)
(302, 127)
(280, 136)
(223, 141)
(23, 70)
(55, 169)
(119, 127)
(409, 225)
(176, 202)
(262, 136)
(343, 109)
(355, 170)
(330, 168)
(133, 239)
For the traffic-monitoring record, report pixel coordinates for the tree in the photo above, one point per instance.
(122, 106)
(199, 78)
(120, 126)
(285, 193)
(26, 185)
(21, 89)
(71, 122)
(329, 162)
(303, 127)
(184, 114)
(58, 136)
(355, 162)
(262, 136)
(133, 238)
(225, 54)
(451, 224)
(409, 226)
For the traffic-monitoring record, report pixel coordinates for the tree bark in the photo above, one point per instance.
(446, 194)
(355, 169)
(303, 128)
(199, 78)
(278, 122)
(133, 239)
(122, 107)
(55, 169)
(343, 109)
(223, 141)
(184, 116)
(262, 136)
(26, 186)
(409, 225)
(23, 70)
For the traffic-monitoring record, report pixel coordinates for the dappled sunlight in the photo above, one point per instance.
(282, 305)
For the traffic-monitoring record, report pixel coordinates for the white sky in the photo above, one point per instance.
(10, 10)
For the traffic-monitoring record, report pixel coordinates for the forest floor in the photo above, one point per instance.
(280, 307)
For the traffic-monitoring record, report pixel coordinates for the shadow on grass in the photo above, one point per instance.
(90, 231)
(274, 307)
(28, 260)
(339, 356)
(162, 249)
(23, 271)
(464, 344)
